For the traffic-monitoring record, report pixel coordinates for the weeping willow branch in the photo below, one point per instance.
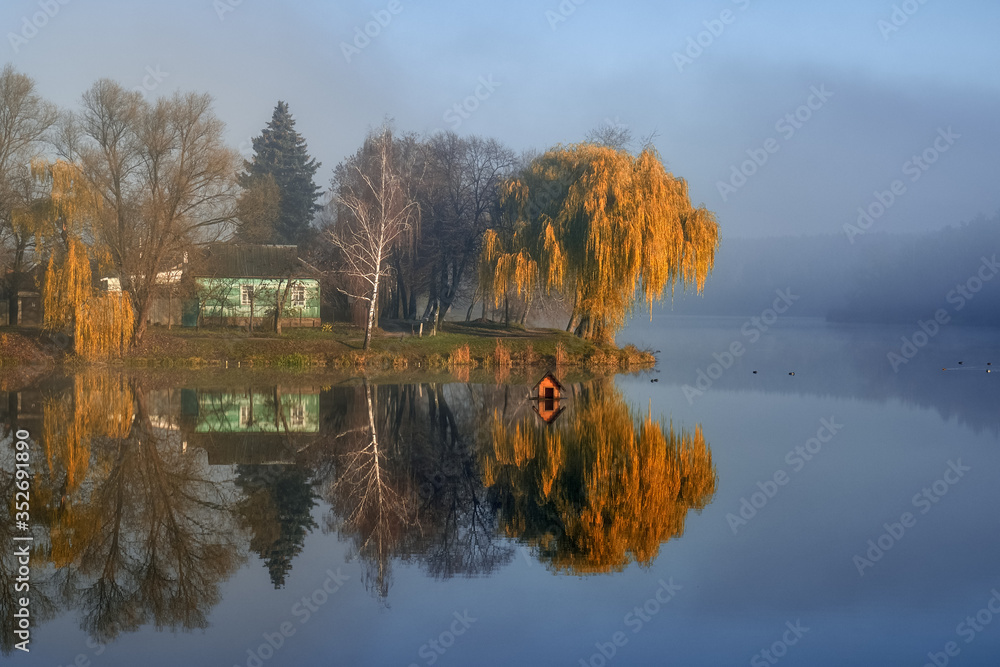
(604, 225)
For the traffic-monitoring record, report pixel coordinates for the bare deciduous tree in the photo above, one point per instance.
(373, 215)
(25, 122)
(164, 176)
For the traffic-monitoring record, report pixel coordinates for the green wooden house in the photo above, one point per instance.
(235, 282)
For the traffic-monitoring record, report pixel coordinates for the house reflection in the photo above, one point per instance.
(447, 476)
(545, 397)
(251, 426)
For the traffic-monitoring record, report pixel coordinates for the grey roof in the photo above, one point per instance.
(234, 260)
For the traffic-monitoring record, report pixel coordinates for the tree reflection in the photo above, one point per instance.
(371, 497)
(404, 483)
(139, 531)
(602, 488)
(462, 536)
(276, 510)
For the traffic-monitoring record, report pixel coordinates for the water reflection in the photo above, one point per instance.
(137, 530)
(370, 493)
(604, 488)
(147, 498)
(276, 511)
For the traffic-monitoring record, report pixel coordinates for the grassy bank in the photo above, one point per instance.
(460, 348)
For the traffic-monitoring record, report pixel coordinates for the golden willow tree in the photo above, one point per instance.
(600, 489)
(603, 227)
(101, 323)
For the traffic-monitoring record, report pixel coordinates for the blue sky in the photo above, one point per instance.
(556, 70)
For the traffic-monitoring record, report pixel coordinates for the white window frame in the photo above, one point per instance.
(246, 294)
(298, 296)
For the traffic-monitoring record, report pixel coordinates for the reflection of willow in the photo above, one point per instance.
(604, 488)
(97, 405)
(41, 606)
(374, 501)
(137, 531)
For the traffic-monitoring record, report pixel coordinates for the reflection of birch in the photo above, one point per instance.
(375, 503)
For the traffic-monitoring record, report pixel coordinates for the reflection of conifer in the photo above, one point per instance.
(276, 509)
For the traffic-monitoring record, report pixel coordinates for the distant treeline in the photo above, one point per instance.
(880, 278)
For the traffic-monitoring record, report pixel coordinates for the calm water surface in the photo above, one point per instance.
(695, 514)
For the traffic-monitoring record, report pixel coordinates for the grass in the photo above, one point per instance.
(458, 345)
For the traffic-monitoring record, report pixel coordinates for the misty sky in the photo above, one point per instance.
(548, 72)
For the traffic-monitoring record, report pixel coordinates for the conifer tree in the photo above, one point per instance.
(280, 153)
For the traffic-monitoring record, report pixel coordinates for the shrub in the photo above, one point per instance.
(461, 356)
(501, 355)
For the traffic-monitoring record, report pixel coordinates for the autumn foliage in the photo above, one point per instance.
(102, 323)
(602, 226)
(600, 490)
(98, 406)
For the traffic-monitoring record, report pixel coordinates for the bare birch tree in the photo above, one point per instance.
(374, 214)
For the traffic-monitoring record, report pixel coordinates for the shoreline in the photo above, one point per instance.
(459, 348)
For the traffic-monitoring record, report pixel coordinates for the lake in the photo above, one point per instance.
(769, 493)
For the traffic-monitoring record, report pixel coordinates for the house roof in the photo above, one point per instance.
(235, 260)
(549, 376)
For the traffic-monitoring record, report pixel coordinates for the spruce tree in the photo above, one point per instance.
(280, 152)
